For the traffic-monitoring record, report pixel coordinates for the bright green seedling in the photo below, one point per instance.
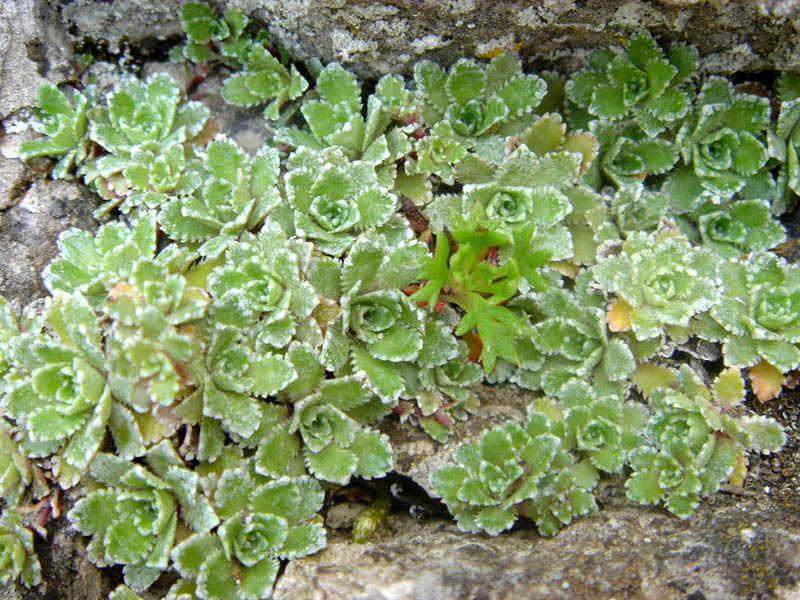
(480, 287)
(723, 138)
(65, 125)
(642, 84)
(696, 439)
(17, 556)
(758, 319)
(504, 474)
(659, 282)
(145, 128)
(262, 522)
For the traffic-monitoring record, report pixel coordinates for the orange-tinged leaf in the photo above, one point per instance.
(618, 316)
(649, 376)
(767, 381)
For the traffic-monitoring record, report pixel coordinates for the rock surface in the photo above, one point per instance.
(375, 37)
(33, 47)
(745, 551)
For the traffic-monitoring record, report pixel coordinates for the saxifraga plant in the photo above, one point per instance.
(214, 361)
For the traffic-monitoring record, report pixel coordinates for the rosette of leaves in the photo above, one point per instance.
(263, 78)
(332, 198)
(548, 134)
(697, 440)
(145, 128)
(630, 156)
(572, 340)
(723, 138)
(60, 398)
(261, 286)
(643, 84)
(326, 427)
(436, 395)
(496, 478)
(737, 228)
(152, 339)
(17, 555)
(65, 125)
(205, 33)
(336, 118)
(478, 99)
(372, 326)
(134, 513)
(93, 264)
(636, 208)
(757, 319)
(468, 112)
(600, 426)
(785, 142)
(659, 282)
(237, 194)
(479, 286)
(262, 523)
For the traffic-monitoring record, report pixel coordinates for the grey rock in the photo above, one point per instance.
(744, 551)
(28, 231)
(130, 21)
(34, 46)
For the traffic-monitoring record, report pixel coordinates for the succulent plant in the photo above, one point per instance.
(144, 128)
(723, 138)
(237, 194)
(65, 125)
(696, 438)
(133, 516)
(214, 361)
(507, 470)
(758, 317)
(643, 84)
(331, 197)
(262, 521)
(659, 282)
(17, 556)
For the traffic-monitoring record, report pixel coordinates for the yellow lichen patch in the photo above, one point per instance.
(767, 381)
(618, 316)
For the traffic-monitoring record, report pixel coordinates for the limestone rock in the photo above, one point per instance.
(28, 232)
(33, 47)
(743, 551)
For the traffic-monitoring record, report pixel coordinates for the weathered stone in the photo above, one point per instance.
(743, 551)
(130, 21)
(33, 47)
(28, 232)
